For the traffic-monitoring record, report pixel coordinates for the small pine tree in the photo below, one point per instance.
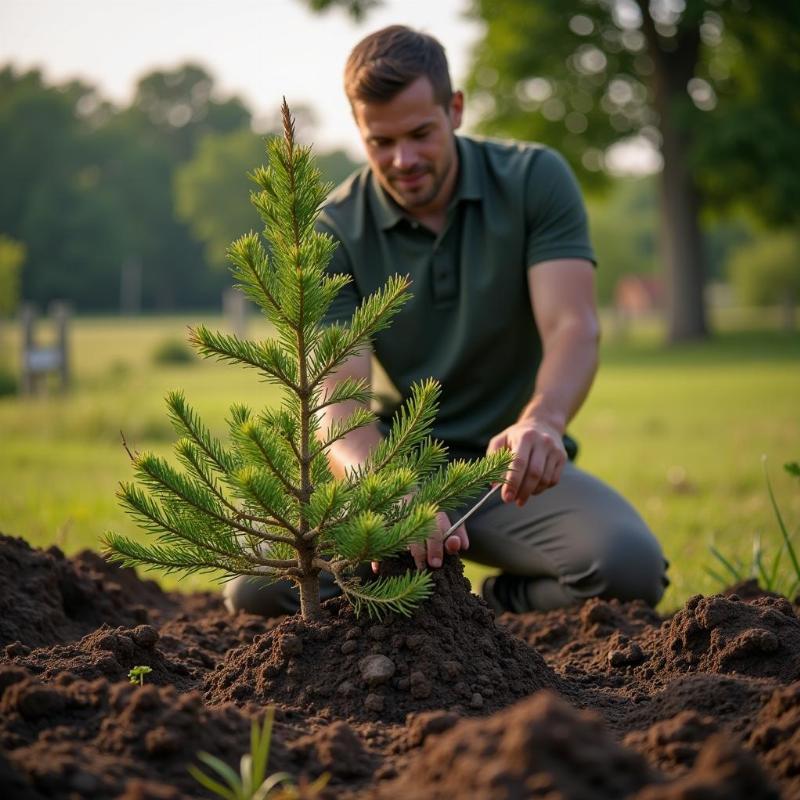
(269, 506)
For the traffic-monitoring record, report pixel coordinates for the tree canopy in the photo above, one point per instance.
(708, 83)
(92, 186)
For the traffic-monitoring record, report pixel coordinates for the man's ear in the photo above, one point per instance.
(456, 111)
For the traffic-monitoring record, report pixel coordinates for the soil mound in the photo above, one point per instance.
(89, 738)
(672, 745)
(581, 627)
(726, 635)
(776, 738)
(380, 707)
(449, 655)
(723, 771)
(589, 644)
(46, 598)
(731, 701)
(110, 653)
(540, 747)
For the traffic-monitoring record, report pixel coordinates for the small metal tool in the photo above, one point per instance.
(469, 513)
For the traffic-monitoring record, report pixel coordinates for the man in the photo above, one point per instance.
(494, 237)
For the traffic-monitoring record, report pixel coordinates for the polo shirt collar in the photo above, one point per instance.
(469, 187)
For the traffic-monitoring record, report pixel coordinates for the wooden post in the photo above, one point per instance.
(27, 316)
(130, 287)
(234, 307)
(59, 311)
(40, 360)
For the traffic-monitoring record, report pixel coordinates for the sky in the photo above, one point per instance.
(260, 50)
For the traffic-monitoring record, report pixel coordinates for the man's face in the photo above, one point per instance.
(410, 145)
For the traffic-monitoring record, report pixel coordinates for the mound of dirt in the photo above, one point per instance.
(100, 735)
(46, 598)
(722, 635)
(723, 771)
(701, 705)
(776, 738)
(109, 653)
(448, 655)
(672, 745)
(540, 747)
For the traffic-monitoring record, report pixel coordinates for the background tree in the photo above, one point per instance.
(211, 190)
(56, 203)
(180, 107)
(12, 257)
(612, 70)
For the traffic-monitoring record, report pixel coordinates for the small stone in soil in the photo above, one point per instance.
(376, 669)
(476, 701)
(145, 635)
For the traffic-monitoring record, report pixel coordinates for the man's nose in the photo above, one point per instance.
(405, 156)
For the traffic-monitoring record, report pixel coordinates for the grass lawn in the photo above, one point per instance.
(680, 431)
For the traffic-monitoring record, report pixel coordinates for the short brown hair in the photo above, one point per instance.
(387, 61)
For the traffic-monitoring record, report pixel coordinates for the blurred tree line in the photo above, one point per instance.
(160, 184)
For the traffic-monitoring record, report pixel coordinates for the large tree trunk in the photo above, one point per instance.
(681, 242)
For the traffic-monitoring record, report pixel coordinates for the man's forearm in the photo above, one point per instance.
(353, 449)
(565, 375)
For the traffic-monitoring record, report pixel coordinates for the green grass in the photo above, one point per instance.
(679, 431)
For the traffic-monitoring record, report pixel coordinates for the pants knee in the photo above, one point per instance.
(633, 567)
(265, 598)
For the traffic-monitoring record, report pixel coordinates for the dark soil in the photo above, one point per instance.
(603, 701)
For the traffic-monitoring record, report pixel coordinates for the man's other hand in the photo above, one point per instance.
(539, 458)
(431, 553)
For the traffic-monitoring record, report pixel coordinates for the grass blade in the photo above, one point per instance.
(735, 572)
(260, 744)
(223, 770)
(209, 783)
(786, 538)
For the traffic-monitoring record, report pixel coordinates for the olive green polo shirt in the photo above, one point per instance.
(469, 323)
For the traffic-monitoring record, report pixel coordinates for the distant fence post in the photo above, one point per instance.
(40, 360)
(27, 318)
(130, 287)
(234, 307)
(60, 313)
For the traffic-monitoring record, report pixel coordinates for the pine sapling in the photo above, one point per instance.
(267, 505)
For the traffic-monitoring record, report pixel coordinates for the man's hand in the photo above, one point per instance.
(434, 549)
(539, 458)
(431, 553)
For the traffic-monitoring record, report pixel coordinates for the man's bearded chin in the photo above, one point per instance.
(412, 198)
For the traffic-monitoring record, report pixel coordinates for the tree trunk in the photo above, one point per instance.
(310, 606)
(681, 242)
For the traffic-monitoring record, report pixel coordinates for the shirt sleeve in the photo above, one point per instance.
(556, 221)
(345, 303)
